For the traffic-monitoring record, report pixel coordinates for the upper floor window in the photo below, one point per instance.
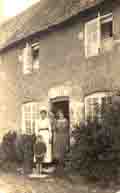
(96, 31)
(106, 26)
(30, 58)
(95, 105)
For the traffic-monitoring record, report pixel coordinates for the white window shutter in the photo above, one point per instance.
(92, 37)
(27, 59)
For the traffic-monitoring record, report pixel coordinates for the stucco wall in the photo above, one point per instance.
(9, 98)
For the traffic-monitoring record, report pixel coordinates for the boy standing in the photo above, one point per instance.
(39, 152)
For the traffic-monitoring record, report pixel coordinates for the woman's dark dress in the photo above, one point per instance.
(61, 139)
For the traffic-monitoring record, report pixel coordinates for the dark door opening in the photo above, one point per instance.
(61, 104)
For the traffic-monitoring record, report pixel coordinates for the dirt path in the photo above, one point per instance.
(11, 183)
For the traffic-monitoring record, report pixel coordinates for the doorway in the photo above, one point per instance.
(62, 103)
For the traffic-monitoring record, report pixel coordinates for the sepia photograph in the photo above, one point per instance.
(59, 96)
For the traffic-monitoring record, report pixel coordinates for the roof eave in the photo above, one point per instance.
(47, 27)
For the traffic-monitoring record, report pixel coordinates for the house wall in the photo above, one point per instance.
(9, 98)
(64, 70)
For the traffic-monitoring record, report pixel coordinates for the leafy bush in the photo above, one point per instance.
(96, 152)
(8, 146)
(17, 149)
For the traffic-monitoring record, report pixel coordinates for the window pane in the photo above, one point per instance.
(27, 108)
(36, 58)
(35, 53)
(96, 106)
(27, 59)
(36, 65)
(34, 116)
(27, 116)
(107, 30)
(33, 127)
(92, 37)
(31, 113)
(28, 126)
(33, 107)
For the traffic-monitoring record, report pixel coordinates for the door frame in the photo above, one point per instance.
(61, 99)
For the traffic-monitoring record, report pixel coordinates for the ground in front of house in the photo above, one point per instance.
(13, 183)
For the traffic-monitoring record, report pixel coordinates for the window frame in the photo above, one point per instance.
(86, 35)
(33, 116)
(30, 56)
(26, 64)
(105, 18)
(99, 96)
(36, 47)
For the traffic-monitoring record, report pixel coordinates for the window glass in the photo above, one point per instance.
(30, 58)
(107, 26)
(27, 59)
(35, 54)
(96, 104)
(92, 37)
(30, 114)
(96, 30)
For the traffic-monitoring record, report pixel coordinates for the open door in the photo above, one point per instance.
(61, 103)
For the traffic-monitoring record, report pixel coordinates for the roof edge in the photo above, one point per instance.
(54, 24)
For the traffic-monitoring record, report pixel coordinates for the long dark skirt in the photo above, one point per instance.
(60, 146)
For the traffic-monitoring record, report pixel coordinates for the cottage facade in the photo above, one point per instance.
(61, 55)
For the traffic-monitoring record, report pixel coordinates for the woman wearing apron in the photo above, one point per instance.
(43, 128)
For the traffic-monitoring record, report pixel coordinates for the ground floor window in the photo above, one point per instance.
(95, 105)
(30, 113)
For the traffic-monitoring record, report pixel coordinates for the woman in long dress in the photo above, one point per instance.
(61, 138)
